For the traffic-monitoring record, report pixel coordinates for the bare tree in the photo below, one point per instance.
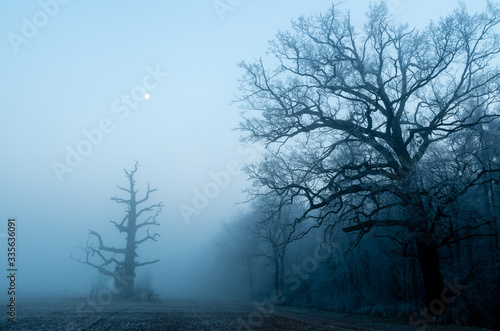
(261, 234)
(103, 257)
(352, 117)
(272, 224)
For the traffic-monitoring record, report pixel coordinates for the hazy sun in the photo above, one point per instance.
(146, 96)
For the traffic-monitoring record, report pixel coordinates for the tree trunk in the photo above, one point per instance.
(250, 278)
(413, 279)
(131, 245)
(282, 271)
(128, 290)
(277, 270)
(428, 259)
(276, 276)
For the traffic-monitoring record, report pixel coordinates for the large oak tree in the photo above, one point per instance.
(354, 119)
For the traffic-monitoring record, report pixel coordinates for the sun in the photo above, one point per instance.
(146, 96)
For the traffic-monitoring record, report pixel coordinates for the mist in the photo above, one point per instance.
(90, 89)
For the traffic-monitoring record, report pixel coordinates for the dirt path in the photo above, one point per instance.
(339, 323)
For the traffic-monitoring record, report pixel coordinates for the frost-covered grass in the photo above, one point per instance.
(81, 314)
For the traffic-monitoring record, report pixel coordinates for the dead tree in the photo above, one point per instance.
(103, 257)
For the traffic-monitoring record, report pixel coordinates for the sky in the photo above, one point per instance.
(75, 114)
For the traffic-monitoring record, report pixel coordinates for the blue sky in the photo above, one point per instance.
(73, 72)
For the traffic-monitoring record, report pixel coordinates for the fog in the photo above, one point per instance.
(77, 82)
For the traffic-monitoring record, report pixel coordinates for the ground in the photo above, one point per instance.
(108, 314)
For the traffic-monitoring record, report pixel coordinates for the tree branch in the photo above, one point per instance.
(137, 264)
(148, 237)
(105, 248)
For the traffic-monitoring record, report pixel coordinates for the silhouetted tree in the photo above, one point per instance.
(272, 224)
(103, 257)
(261, 233)
(353, 119)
